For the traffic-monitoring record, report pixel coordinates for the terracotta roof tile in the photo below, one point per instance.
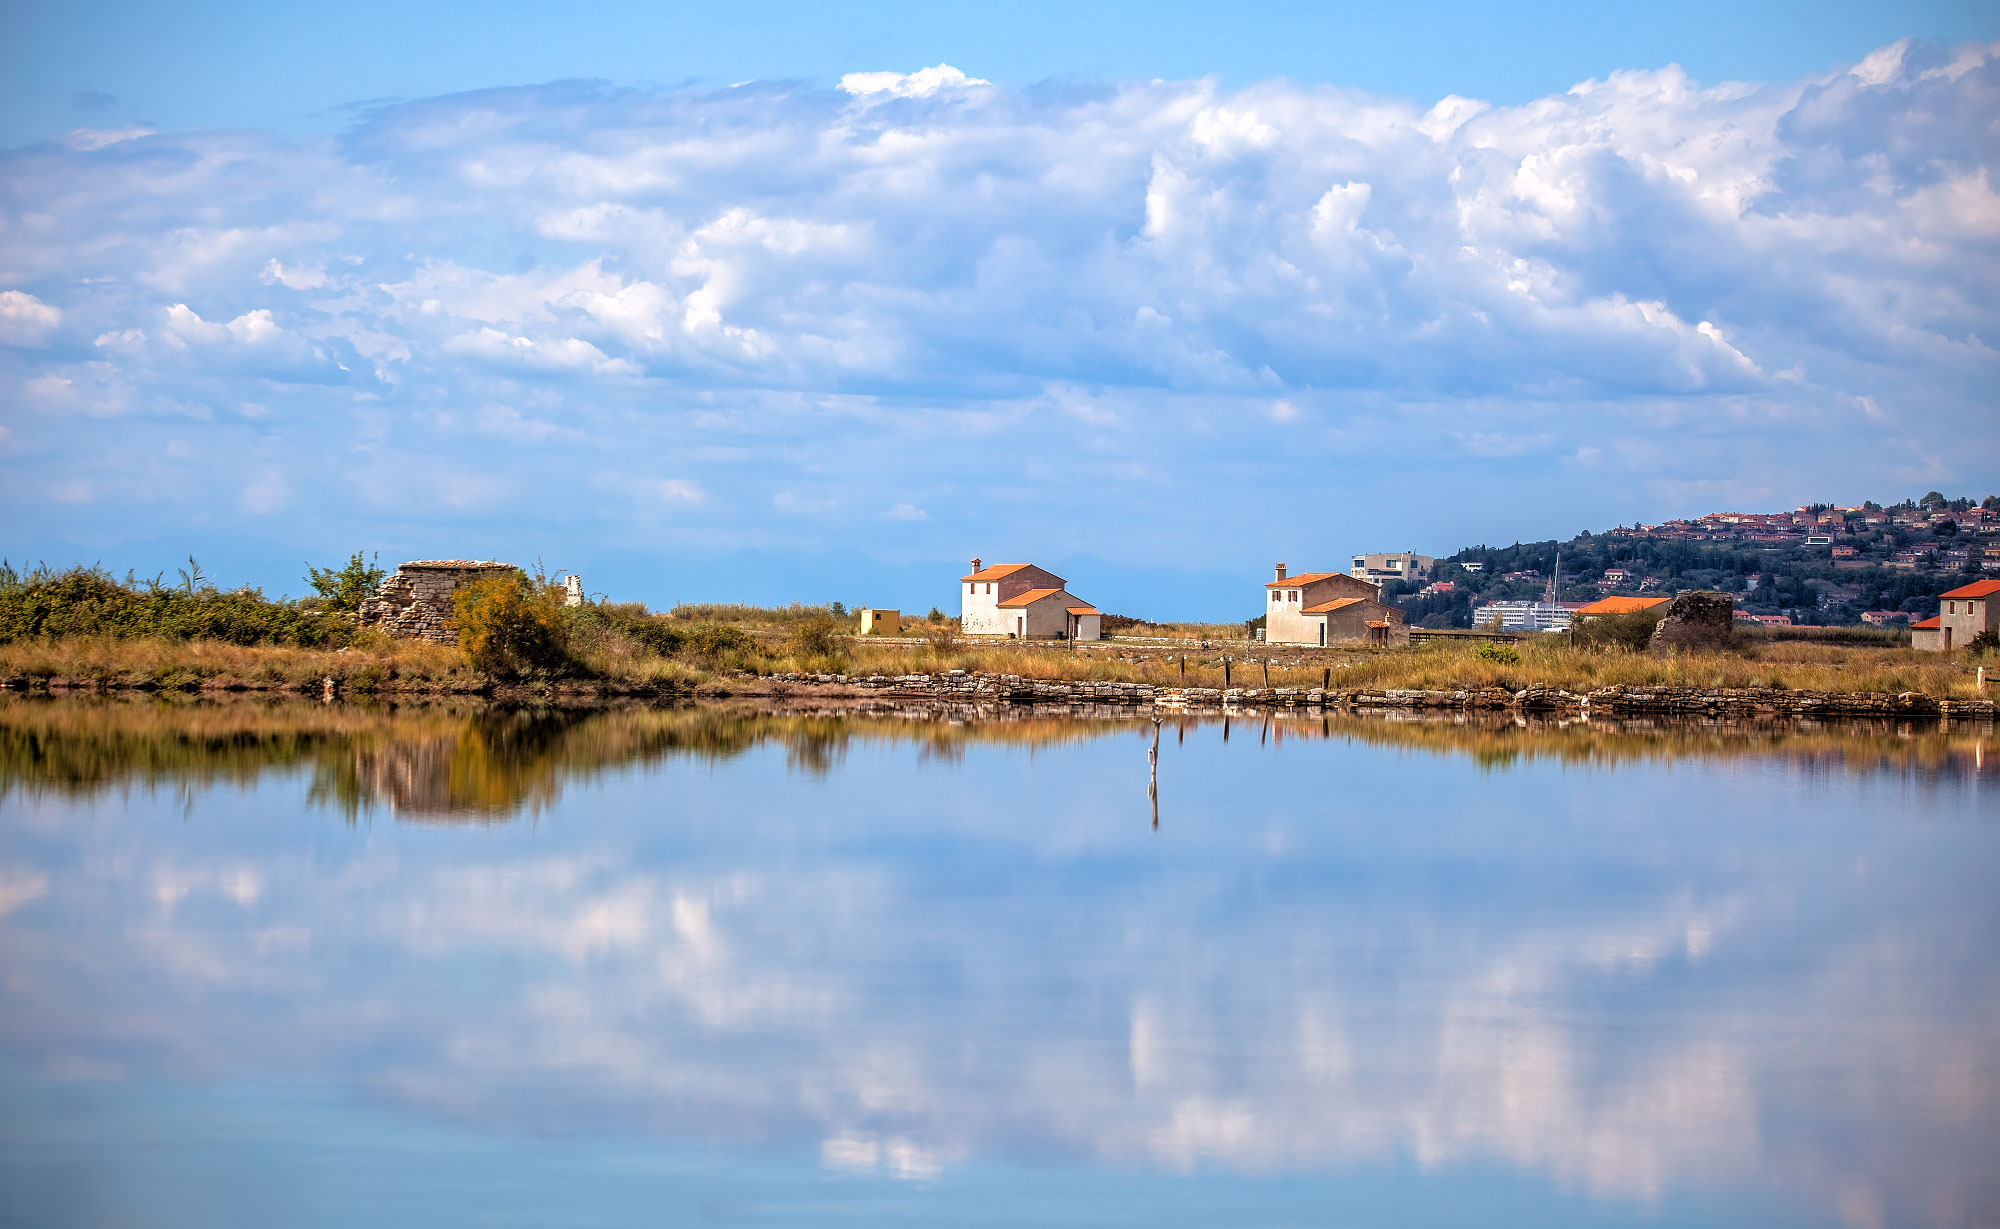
(1303, 578)
(1339, 603)
(1930, 622)
(1621, 605)
(1084, 610)
(1030, 597)
(996, 571)
(1978, 588)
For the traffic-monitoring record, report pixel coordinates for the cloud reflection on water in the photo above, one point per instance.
(1676, 968)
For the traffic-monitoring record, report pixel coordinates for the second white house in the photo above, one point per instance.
(1023, 601)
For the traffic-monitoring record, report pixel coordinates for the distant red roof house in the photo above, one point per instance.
(1621, 605)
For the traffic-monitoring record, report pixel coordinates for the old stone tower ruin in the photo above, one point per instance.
(415, 602)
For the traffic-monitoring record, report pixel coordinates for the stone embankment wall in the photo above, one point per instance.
(1614, 701)
(415, 602)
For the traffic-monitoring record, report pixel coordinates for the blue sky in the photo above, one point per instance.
(791, 301)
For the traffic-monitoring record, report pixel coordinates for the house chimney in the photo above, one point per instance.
(1281, 571)
(975, 564)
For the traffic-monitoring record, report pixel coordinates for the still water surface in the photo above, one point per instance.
(285, 964)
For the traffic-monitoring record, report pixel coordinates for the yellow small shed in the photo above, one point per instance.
(881, 622)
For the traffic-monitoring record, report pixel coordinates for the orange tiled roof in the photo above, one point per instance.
(1030, 597)
(1329, 607)
(1303, 578)
(1083, 610)
(995, 572)
(1978, 588)
(1930, 622)
(1621, 605)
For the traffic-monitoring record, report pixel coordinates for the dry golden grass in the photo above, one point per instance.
(386, 665)
(188, 664)
(1444, 665)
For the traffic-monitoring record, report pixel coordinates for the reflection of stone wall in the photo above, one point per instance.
(415, 603)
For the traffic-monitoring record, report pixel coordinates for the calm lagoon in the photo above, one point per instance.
(292, 964)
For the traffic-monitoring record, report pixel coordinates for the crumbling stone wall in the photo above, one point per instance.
(415, 602)
(1697, 619)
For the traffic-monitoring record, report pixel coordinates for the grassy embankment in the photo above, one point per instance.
(84, 628)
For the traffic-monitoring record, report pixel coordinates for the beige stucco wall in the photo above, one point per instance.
(979, 601)
(1088, 627)
(1965, 618)
(1284, 624)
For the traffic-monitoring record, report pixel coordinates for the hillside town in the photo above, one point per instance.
(1817, 565)
(1931, 566)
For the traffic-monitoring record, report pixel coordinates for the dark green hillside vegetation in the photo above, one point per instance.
(42, 603)
(1898, 558)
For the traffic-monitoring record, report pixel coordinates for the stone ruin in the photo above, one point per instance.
(1697, 619)
(415, 602)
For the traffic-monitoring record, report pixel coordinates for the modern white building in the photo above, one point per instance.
(1402, 565)
(1526, 616)
(1025, 602)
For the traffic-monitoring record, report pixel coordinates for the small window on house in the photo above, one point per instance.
(1295, 595)
(989, 588)
(1951, 607)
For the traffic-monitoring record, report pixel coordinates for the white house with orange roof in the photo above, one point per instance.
(1323, 608)
(1963, 613)
(1023, 601)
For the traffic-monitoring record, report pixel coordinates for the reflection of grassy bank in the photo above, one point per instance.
(474, 761)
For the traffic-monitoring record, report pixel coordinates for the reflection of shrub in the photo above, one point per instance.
(1500, 654)
(509, 626)
(1633, 630)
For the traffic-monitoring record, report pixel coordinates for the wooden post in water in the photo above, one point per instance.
(1266, 663)
(1225, 687)
(1326, 679)
(1184, 665)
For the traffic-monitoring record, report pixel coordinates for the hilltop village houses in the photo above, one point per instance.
(1025, 602)
(1322, 608)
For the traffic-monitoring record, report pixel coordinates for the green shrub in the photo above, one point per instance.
(510, 627)
(1633, 630)
(1500, 654)
(80, 601)
(816, 636)
(343, 591)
